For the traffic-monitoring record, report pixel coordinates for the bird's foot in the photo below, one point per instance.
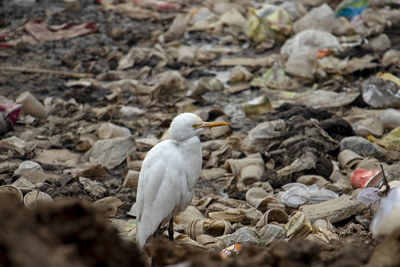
(171, 229)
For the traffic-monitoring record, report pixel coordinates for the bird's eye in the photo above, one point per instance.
(196, 125)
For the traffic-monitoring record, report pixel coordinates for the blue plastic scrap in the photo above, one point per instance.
(351, 9)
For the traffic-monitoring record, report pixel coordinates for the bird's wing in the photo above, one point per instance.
(162, 186)
(159, 178)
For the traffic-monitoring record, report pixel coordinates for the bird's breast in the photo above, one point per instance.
(192, 159)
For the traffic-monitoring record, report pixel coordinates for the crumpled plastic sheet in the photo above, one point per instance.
(297, 194)
(368, 195)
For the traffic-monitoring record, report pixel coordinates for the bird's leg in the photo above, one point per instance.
(171, 229)
(158, 232)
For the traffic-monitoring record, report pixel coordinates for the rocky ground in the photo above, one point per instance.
(109, 77)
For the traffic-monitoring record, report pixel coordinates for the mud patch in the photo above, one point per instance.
(75, 189)
(65, 233)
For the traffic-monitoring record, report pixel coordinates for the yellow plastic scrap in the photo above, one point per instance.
(390, 141)
(275, 78)
(269, 22)
(389, 77)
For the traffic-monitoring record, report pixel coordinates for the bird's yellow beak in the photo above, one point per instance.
(211, 124)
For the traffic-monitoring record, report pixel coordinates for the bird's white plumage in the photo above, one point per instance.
(168, 176)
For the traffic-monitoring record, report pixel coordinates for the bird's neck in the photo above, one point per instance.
(190, 144)
(192, 154)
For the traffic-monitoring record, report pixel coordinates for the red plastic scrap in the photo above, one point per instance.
(41, 31)
(10, 112)
(362, 178)
(323, 53)
(5, 45)
(5, 38)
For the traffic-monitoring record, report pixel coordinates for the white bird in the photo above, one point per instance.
(168, 176)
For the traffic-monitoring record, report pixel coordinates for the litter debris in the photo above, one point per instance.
(362, 178)
(381, 92)
(311, 156)
(229, 251)
(269, 22)
(297, 194)
(42, 32)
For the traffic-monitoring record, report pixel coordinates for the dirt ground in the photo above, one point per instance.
(70, 232)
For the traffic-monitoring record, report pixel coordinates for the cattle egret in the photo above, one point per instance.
(168, 175)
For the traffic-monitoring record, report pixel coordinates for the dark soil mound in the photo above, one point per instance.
(64, 233)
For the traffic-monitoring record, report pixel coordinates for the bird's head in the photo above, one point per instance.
(187, 125)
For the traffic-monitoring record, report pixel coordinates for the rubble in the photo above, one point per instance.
(306, 174)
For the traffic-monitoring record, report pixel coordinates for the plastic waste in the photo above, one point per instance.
(263, 132)
(310, 40)
(275, 78)
(234, 20)
(33, 198)
(244, 235)
(109, 130)
(131, 179)
(111, 152)
(249, 169)
(258, 198)
(240, 74)
(362, 178)
(229, 251)
(202, 14)
(186, 54)
(11, 193)
(368, 195)
(257, 105)
(297, 194)
(27, 166)
(389, 77)
(320, 194)
(210, 227)
(72, 5)
(273, 215)
(391, 57)
(369, 126)
(108, 206)
(179, 25)
(363, 147)
(350, 9)
(321, 18)
(24, 185)
(269, 22)
(270, 233)
(348, 158)
(302, 49)
(379, 44)
(299, 226)
(8, 116)
(390, 118)
(14, 143)
(390, 142)
(387, 217)
(31, 106)
(381, 92)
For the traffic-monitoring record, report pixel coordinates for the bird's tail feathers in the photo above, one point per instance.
(143, 232)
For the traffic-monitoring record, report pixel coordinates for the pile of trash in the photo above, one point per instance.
(312, 155)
